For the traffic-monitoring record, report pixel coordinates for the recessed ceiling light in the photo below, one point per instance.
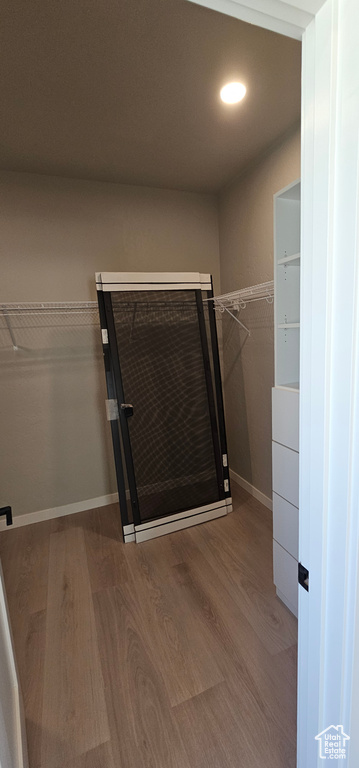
(233, 92)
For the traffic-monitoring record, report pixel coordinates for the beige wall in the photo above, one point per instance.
(246, 254)
(55, 233)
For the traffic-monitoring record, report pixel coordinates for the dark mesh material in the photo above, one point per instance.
(163, 377)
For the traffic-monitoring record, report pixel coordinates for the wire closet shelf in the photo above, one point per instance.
(48, 307)
(21, 316)
(227, 302)
(237, 300)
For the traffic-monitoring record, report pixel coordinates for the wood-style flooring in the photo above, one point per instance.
(174, 653)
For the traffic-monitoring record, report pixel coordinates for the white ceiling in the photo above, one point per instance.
(127, 91)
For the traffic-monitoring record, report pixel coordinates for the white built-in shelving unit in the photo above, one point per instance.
(287, 285)
(285, 395)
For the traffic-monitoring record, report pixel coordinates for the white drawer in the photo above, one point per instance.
(285, 524)
(285, 571)
(286, 473)
(285, 417)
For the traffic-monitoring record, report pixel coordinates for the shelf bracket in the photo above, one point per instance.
(222, 308)
(8, 325)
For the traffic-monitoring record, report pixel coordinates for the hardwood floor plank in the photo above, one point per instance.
(144, 734)
(163, 553)
(268, 616)
(179, 643)
(104, 546)
(245, 663)
(174, 653)
(253, 535)
(74, 710)
(100, 757)
(217, 734)
(24, 554)
(32, 684)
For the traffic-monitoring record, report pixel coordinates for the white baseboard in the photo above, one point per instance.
(71, 509)
(67, 509)
(286, 602)
(251, 489)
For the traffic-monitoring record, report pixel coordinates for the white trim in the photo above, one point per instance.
(187, 513)
(101, 501)
(290, 186)
(18, 713)
(129, 537)
(251, 489)
(176, 525)
(152, 281)
(329, 387)
(109, 287)
(128, 529)
(287, 387)
(152, 277)
(276, 15)
(292, 608)
(67, 509)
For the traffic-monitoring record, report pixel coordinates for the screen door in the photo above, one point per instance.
(165, 398)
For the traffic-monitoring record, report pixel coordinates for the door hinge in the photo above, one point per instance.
(111, 410)
(225, 460)
(8, 514)
(303, 576)
(226, 486)
(104, 333)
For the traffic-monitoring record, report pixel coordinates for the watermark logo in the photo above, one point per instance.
(332, 743)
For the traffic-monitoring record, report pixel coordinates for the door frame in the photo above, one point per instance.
(328, 630)
(19, 735)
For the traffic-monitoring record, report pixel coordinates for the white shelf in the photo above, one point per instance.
(289, 385)
(291, 261)
(287, 283)
(285, 396)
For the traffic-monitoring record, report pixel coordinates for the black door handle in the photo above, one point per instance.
(127, 408)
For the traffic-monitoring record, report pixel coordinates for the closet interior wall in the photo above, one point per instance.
(246, 257)
(54, 234)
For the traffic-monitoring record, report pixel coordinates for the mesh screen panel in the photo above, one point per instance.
(163, 377)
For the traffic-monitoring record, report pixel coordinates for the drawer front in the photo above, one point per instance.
(286, 473)
(285, 417)
(285, 524)
(285, 570)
